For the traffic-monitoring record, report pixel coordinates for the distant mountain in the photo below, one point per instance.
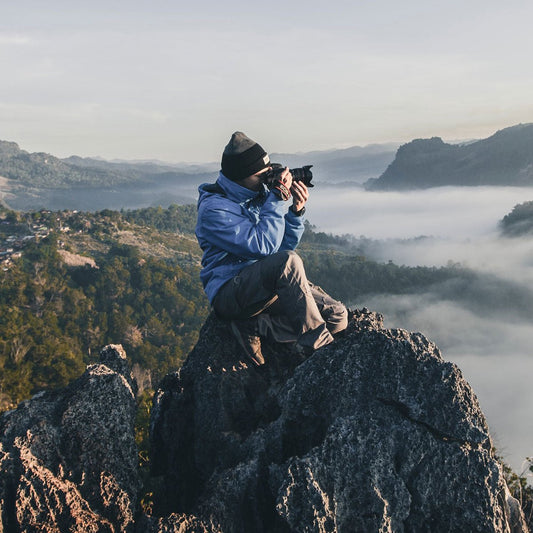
(352, 165)
(142, 167)
(45, 170)
(40, 180)
(505, 158)
(41, 170)
(347, 165)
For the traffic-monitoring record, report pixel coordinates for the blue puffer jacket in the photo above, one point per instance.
(237, 226)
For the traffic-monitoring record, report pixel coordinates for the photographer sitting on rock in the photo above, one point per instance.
(250, 272)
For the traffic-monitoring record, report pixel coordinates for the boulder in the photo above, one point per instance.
(375, 432)
(68, 458)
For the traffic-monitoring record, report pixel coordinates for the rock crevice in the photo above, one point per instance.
(403, 410)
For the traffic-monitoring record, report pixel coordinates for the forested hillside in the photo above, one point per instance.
(83, 281)
(45, 170)
(40, 180)
(519, 221)
(72, 282)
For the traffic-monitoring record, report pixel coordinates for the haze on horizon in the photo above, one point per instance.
(172, 80)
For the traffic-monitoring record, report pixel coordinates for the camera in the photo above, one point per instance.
(302, 174)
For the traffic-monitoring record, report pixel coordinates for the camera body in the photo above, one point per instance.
(302, 174)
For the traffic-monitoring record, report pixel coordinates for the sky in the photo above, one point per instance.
(171, 80)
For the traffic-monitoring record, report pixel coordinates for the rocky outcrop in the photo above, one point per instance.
(68, 459)
(372, 433)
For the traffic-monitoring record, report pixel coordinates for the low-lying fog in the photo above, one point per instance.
(491, 341)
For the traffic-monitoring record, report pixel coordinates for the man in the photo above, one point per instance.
(250, 272)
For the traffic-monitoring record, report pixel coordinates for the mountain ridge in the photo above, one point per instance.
(36, 169)
(504, 158)
(42, 181)
(40, 169)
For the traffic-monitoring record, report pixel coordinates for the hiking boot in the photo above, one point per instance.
(245, 332)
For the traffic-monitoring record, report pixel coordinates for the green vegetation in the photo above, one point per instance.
(55, 317)
(85, 280)
(180, 218)
(519, 221)
(350, 277)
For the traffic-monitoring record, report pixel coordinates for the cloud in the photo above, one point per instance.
(14, 39)
(485, 324)
(445, 212)
(458, 224)
(504, 390)
(457, 330)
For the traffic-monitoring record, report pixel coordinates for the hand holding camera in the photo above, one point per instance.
(276, 180)
(281, 184)
(300, 195)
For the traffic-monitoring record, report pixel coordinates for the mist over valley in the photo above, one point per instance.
(483, 324)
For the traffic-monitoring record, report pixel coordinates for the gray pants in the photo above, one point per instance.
(287, 306)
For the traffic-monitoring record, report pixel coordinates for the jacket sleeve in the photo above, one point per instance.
(294, 228)
(226, 224)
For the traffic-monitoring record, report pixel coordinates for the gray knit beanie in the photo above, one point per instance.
(243, 157)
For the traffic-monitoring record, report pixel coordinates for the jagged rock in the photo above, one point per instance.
(68, 458)
(372, 433)
(375, 432)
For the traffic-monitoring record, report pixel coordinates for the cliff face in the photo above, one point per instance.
(505, 158)
(372, 433)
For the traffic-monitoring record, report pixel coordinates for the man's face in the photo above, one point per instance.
(255, 181)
